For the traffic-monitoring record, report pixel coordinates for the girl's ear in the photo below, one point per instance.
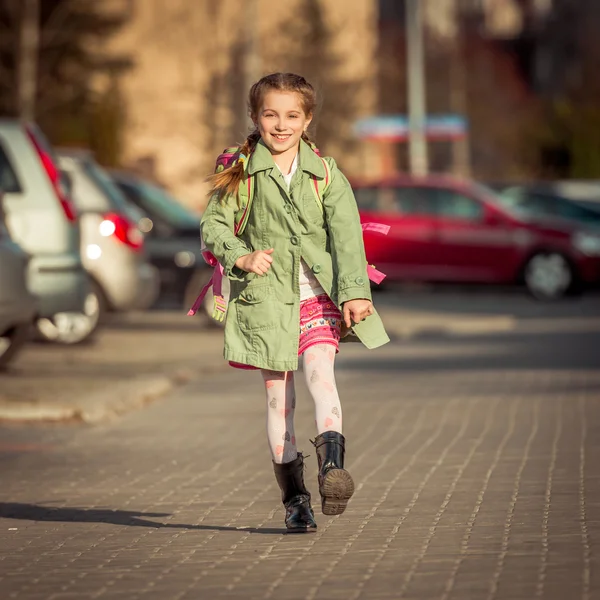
(309, 118)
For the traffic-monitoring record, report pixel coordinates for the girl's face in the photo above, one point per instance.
(281, 121)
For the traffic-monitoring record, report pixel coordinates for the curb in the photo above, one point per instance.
(128, 395)
(102, 406)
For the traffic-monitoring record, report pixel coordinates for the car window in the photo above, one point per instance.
(527, 203)
(456, 205)
(105, 183)
(9, 182)
(570, 210)
(367, 198)
(42, 141)
(540, 204)
(414, 201)
(159, 203)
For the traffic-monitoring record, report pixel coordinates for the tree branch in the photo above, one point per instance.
(55, 22)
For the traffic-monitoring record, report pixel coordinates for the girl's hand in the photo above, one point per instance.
(356, 311)
(258, 262)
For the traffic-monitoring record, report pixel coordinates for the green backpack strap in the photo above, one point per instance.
(246, 196)
(319, 185)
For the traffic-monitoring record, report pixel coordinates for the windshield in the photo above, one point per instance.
(591, 205)
(502, 199)
(160, 202)
(118, 201)
(535, 203)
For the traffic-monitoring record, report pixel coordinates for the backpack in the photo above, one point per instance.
(245, 197)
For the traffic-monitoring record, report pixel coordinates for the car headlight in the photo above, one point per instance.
(587, 243)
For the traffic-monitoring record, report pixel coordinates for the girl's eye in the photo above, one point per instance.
(293, 116)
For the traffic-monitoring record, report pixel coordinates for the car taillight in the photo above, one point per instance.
(56, 180)
(123, 229)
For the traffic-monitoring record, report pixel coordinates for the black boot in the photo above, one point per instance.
(335, 484)
(299, 516)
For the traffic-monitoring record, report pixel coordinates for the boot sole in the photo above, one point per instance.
(301, 530)
(336, 490)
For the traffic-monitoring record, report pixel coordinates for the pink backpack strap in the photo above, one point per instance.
(209, 258)
(198, 302)
(216, 281)
(376, 228)
(374, 275)
(225, 160)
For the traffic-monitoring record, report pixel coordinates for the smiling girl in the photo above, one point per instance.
(298, 276)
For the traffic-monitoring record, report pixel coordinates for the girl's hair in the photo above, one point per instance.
(227, 182)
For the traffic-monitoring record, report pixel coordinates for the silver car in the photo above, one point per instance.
(17, 304)
(112, 246)
(41, 219)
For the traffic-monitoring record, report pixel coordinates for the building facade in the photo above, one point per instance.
(193, 61)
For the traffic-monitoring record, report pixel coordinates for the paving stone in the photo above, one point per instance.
(475, 460)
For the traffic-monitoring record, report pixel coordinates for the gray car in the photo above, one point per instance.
(17, 304)
(112, 246)
(41, 219)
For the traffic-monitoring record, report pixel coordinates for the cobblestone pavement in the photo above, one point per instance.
(476, 460)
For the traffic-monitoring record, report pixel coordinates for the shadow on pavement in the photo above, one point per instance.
(515, 351)
(35, 512)
(481, 300)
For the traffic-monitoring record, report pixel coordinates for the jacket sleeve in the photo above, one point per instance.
(216, 229)
(346, 238)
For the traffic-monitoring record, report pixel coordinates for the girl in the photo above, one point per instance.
(298, 278)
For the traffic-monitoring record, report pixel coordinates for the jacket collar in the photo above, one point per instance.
(262, 160)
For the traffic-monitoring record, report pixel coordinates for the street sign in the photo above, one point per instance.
(395, 128)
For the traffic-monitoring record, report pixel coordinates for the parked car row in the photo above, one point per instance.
(444, 229)
(17, 304)
(172, 238)
(76, 242)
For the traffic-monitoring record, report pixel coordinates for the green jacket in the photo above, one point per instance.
(263, 317)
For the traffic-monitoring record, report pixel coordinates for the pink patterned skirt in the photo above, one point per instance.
(320, 323)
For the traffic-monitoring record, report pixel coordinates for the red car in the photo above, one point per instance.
(450, 230)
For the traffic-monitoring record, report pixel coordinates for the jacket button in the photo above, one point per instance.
(288, 208)
(359, 281)
(316, 269)
(295, 240)
(250, 296)
(229, 245)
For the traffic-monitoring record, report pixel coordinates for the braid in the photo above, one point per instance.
(312, 145)
(226, 182)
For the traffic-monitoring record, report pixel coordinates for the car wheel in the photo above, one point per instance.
(548, 276)
(72, 327)
(11, 342)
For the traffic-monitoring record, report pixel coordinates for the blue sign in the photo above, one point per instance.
(396, 127)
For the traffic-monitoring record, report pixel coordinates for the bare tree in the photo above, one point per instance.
(27, 59)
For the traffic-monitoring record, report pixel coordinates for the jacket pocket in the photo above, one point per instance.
(312, 209)
(256, 307)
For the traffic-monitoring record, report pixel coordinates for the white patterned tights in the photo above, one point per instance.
(281, 401)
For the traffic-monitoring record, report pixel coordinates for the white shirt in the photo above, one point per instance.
(309, 286)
